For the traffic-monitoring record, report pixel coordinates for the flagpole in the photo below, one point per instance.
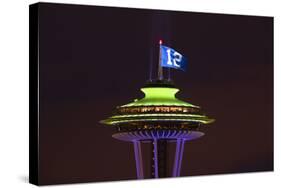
(160, 69)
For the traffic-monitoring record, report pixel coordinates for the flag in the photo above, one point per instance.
(172, 59)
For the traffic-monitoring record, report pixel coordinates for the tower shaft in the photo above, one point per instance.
(159, 158)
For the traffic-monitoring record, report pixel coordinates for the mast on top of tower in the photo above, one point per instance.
(160, 69)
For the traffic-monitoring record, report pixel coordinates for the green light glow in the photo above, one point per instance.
(159, 96)
(149, 115)
(158, 119)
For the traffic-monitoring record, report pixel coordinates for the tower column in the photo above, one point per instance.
(178, 157)
(162, 158)
(155, 158)
(138, 158)
(159, 158)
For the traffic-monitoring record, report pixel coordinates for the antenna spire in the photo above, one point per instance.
(160, 69)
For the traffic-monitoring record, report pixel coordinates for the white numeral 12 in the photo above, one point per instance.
(177, 58)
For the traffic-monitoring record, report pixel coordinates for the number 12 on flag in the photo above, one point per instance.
(172, 59)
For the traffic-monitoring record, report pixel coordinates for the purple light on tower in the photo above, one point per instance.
(159, 118)
(178, 136)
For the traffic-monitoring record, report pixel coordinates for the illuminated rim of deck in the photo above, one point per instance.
(158, 96)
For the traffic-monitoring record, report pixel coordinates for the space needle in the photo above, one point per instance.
(158, 119)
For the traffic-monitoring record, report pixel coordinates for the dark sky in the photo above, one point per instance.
(94, 58)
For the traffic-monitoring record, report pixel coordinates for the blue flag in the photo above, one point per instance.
(172, 59)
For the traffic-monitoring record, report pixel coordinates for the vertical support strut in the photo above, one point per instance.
(178, 157)
(138, 158)
(181, 154)
(155, 157)
(159, 158)
(162, 158)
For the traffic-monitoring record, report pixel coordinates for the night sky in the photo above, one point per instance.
(93, 59)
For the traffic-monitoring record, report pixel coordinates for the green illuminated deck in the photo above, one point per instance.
(157, 96)
(140, 111)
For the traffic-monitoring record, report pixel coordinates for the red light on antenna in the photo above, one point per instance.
(160, 41)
